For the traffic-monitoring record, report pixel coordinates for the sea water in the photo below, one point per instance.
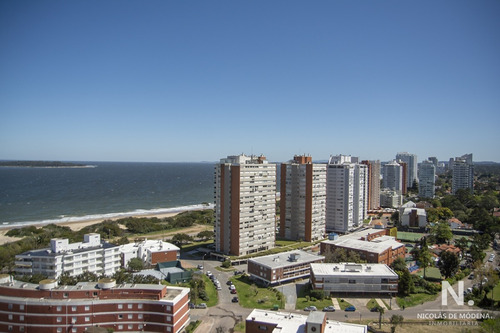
(53, 195)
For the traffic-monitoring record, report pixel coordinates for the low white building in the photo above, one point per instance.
(354, 278)
(390, 199)
(150, 252)
(314, 322)
(91, 255)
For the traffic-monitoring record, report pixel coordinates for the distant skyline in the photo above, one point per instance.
(171, 81)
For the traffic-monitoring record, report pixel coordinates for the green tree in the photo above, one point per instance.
(135, 264)
(405, 285)
(448, 263)
(380, 314)
(424, 256)
(206, 235)
(395, 321)
(399, 264)
(462, 243)
(442, 232)
(181, 238)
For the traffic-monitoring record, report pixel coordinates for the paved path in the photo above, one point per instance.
(381, 303)
(335, 303)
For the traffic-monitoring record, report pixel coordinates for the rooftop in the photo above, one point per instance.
(352, 269)
(375, 246)
(284, 259)
(295, 323)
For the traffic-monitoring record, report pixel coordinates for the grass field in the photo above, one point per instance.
(409, 236)
(343, 303)
(371, 304)
(431, 272)
(252, 296)
(496, 293)
(415, 299)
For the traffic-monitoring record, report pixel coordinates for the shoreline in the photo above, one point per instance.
(79, 223)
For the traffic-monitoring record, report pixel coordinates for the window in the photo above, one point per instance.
(129, 306)
(352, 281)
(10, 328)
(87, 318)
(21, 318)
(59, 308)
(262, 328)
(130, 316)
(74, 330)
(10, 306)
(87, 308)
(73, 320)
(59, 330)
(95, 293)
(65, 295)
(140, 326)
(169, 318)
(169, 329)
(21, 307)
(169, 308)
(59, 319)
(120, 306)
(10, 317)
(120, 327)
(21, 329)
(130, 327)
(139, 316)
(140, 306)
(73, 308)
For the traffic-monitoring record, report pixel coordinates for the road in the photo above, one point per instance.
(227, 314)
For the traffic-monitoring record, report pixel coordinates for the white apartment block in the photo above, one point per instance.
(346, 194)
(463, 173)
(427, 179)
(91, 255)
(150, 252)
(302, 199)
(411, 161)
(390, 199)
(245, 205)
(354, 278)
(393, 177)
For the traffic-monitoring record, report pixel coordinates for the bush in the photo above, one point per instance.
(318, 294)
(226, 264)
(203, 295)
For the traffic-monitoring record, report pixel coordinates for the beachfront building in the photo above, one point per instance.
(377, 246)
(245, 205)
(411, 162)
(315, 322)
(354, 278)
(282, 267)
(150, 252)
(49, 308)
(373, 170)
(427, 179)
(91, 255)
(463, 173)
(346, 194)
(302, 199)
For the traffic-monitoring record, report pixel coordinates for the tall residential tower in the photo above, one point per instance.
(303, 199)
(346, 194)
(427, 179)
(373, 184)
(245, 205)
(411, 161)
(463, 173)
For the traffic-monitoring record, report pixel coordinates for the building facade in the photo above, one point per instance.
(373, 169)
(150, 252)
(245, 205)
(91, 255)
(281, 267)
(49, 308)
(463, 173)
(393, 177)
(354, 278)
(346, 194)
(427, 179)
(303, 199)
(390, 199)
(411, 161)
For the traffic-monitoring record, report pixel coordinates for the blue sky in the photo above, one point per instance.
(200, 80)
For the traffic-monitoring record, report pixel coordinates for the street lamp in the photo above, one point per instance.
(203, 270)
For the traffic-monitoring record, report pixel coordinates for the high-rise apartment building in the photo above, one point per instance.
(245, 205)
(303, 199)
(393, 177)
(411, 161)
(463, 173)
(373, 184)
(427, 179)
(346, 194)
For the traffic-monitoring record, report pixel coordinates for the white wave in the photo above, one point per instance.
(137, 212)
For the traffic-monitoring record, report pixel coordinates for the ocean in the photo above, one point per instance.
(111, 189)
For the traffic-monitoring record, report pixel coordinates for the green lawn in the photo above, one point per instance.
(252, 296)
(496, 293)
(213, 295)
(371, 304)
(302, 302)
(343, 303)
(415, 299)
(409, 236)
(431, 272)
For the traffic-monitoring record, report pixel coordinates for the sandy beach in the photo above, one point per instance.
(76, 226)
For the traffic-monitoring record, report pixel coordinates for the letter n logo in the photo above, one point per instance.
(445, 287)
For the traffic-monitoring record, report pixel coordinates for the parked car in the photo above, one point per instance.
(311, 308)
(200, 266)
(229, 283)
(232, 287)
(235, 299)
(471, 277)
(233, 291)
(374, 309)
(350, 308)
(208, 273)
(191, 305)
(201, 306)
(330, 308)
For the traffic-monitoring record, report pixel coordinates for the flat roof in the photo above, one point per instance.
(295, 323)
(47, 252)
(377, 245)
(352, 269)
(283, 259)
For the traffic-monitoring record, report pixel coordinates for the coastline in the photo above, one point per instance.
(76, 224)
